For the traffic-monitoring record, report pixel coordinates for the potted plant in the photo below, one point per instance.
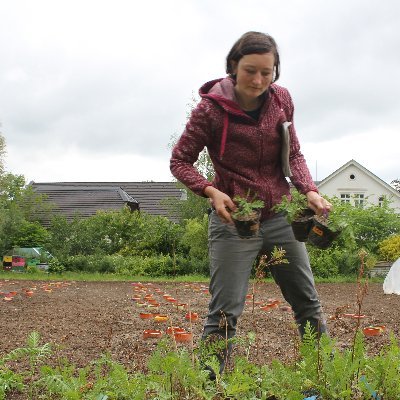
(297, 213)
(326, 228)
(247, 216)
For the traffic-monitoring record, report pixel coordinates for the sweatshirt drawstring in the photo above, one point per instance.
(224, 134)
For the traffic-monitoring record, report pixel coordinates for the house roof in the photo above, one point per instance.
(86, 198)
(365, 170)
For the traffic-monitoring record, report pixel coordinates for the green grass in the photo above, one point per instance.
(98, 277)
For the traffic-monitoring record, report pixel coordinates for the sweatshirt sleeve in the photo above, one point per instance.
(186, 151)
(301, 177)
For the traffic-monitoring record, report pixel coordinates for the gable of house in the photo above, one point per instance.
(355, 184)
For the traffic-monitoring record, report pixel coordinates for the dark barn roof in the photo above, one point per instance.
(86, 198)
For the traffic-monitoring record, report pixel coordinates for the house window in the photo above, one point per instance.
(345, 197)
(352, 177)
(359, 200)
(381, 201)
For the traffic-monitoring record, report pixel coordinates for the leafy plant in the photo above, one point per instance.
(246, 206)
(293, 206)
(55, 266)
(9, 380)
(335, 220)
(34, 352)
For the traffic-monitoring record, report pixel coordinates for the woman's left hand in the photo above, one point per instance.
(317, 203)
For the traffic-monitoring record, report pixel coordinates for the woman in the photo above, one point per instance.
(240, 119)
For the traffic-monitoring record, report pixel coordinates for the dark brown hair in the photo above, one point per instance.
(253, 43)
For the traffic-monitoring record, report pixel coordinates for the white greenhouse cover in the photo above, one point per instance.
(392, 280)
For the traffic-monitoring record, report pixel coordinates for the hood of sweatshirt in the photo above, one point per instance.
(222, 91)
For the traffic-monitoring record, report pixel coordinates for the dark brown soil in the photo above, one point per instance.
(87, 319)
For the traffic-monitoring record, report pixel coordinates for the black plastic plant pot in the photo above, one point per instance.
(247, 227)
(320, 235)
(301, 226)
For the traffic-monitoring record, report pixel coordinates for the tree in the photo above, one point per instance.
(20, 210)
(2, 153)
(31, 234)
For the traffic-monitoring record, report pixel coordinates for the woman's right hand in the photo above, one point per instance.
(221, 202)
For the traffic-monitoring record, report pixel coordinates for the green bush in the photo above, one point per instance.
(157, 265)
(195, 238)
(91, 263)
(129, 265)
(55, 266)
(200, 266)
(167, 266)
(324, 263)
(32, 269)
(373, 224)
(77, 263)
(389, 249)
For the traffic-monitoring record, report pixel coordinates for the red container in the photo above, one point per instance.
(192, 316)
(356, 316)
(152, 334)
(269, 306)
(171, 300)
(146, 315)
(372, 331)
(183, 337)
(174, 329)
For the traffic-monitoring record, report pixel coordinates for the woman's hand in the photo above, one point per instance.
(221, 202)
(317, 203)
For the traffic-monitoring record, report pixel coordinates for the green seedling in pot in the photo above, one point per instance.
(327, 227)
(334, 219)
(294, 206)
(245, 207)
(297, 213)
(247, 215)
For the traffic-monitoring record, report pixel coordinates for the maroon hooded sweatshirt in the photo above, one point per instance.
(246, 153)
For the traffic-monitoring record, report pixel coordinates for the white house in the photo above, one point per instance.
(353, 183)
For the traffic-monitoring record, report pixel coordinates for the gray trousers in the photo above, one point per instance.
(231, 261)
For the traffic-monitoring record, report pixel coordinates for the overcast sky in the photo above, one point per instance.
(94, 90)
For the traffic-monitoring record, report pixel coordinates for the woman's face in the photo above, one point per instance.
(254, 74)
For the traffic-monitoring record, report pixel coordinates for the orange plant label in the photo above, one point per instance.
(317, 231)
